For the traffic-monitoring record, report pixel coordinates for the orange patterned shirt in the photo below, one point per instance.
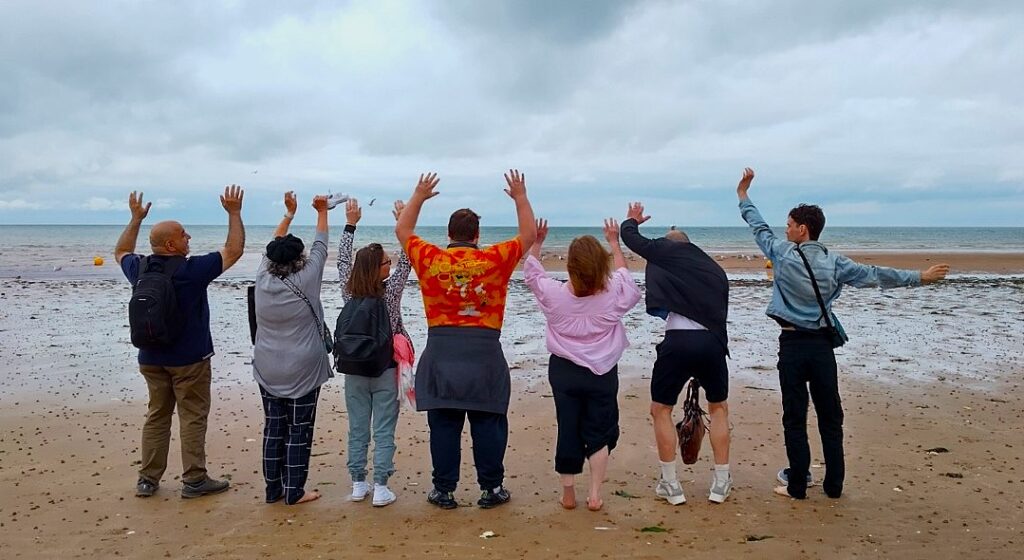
(463, 286)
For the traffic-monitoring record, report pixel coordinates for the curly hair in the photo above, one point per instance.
(282, 270)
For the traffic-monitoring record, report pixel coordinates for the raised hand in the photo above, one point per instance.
(636, 212)
(425, 186)
(139, 212)
(290, 203)
(934, 273)
(320, 203)
(611, 231)
(744, 185)
(542, 232)
(516, 184)
(397, 212)
(231, 200)
(353, 213)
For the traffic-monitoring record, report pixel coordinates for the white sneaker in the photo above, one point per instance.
(671, 490)
(720, 488)
(382, 495)
(359, 491)
(335, 199)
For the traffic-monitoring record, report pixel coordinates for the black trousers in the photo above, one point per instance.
(490, 438)
(587, 410)
(806, 360)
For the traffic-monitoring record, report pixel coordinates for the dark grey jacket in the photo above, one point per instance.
(463, 368)
(683, 279)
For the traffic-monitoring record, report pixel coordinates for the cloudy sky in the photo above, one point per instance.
(886, 113)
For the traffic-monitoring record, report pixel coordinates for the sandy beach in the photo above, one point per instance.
(931, 383)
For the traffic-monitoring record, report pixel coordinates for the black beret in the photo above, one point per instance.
(284, 250)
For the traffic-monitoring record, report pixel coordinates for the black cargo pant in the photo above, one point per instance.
(806, 360)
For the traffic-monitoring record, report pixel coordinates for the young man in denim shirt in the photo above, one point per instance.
(806, 357)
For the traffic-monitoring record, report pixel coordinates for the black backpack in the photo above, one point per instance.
(153, 314)
(363, 343)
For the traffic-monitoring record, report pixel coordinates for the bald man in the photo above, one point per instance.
(690, 291)
(178, 374)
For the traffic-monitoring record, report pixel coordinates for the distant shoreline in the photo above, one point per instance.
(738, 262)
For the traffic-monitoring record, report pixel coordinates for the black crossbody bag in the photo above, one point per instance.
(834, 336)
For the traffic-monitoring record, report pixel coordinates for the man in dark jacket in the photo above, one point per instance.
(690, 291)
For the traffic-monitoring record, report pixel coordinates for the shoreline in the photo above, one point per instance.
(991, 263)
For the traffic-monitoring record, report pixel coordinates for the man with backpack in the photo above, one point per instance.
(462, 372)
(169, 317)
(690, 291)
(808, 279)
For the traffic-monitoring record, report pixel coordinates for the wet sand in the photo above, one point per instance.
(937, 367)
(961, 263)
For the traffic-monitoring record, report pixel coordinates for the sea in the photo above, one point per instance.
(47, 252)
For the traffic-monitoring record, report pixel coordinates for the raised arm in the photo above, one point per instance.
(353, 213)
(534, 275)
(611, 233)
(630, 231)
(407, 220)
(234, 246)
(765, 238)
(289, 205)
(320, 205)
(395, 283)
(126, 243)
(524, 212)
(542, 234)
(318, 249)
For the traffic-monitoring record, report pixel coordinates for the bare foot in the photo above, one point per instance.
(594, 504)
(309, 497)
(569, 497)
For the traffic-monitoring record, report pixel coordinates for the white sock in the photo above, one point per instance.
(668, 471)
(722, 471)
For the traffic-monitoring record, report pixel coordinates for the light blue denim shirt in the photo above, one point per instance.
(793, 298)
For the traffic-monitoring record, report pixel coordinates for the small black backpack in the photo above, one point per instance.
(153, 314)
(363, 343)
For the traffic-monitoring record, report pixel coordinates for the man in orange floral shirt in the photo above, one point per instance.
(462, 372)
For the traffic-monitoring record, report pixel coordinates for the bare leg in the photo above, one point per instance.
(664, 431)
(719, 413)
(568, 491)
(598, 470)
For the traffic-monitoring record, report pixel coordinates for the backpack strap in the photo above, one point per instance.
(170, 265)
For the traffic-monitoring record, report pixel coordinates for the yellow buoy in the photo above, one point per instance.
(97, 261)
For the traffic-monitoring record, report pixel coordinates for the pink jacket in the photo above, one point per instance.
(585, 330)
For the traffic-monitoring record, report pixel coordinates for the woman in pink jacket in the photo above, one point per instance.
(586, 338)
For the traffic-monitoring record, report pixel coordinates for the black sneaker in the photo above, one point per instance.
(491, 498)
(443, 500)
(203, 488)
(145, 488)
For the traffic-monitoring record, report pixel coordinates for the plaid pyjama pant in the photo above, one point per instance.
(287, 442)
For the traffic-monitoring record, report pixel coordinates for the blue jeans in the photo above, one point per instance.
(372, 400)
